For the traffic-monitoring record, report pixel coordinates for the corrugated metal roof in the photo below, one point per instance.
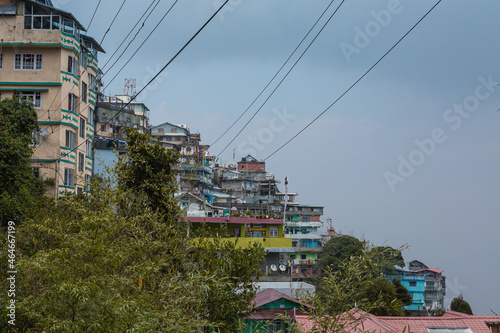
(8, 9)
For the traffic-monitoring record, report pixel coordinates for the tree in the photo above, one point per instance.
(337, 250)
(20, 189)
(356, 288)
(119, 259)
(460, 305)
(402, 293)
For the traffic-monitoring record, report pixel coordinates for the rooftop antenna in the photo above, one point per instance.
(329, 222)
(130, 87)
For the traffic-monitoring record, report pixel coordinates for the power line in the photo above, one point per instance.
(123, 41)
(283, 79)
(119, 71)
(109, 28)
(362, 76)
(95, 11)
(279, 70)
(154, 78)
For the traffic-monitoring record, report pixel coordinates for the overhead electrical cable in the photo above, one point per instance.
(93, 15)
(275, 75)
(131, 30)
(356, 82)
(109, 28)
(161, 70)
(283, 79)
(145, 40)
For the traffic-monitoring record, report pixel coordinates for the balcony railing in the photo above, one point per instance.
(267, 242)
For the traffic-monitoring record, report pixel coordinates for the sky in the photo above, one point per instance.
(410, 155)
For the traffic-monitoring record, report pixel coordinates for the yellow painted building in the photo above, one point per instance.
(46, 58)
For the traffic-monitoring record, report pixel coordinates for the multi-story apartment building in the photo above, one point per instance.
(435, 284)
(46, 59)
(427, 286)
(113, 115)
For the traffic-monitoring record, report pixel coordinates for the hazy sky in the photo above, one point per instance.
(410, 155)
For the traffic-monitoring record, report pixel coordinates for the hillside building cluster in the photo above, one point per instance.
(46, 58)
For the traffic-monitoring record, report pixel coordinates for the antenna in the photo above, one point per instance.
(282, 268)
(274, 268)
(130, 87)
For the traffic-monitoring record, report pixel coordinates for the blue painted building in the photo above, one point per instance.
(415, 285)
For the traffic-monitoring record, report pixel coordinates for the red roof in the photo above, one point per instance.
(451, 319)
(270, 295)
(233, 220)
(434, 270)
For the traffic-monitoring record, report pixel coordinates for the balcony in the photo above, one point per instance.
(269, 243)
(303, 249)
(304, 224)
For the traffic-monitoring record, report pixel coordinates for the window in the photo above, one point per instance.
(306, 218)
(82, 127)
(103, 128)
(70, 139)
(71, 102)
(161, 130)
(72, 65)
(302, 256)
(34, 97)
(28, 61)
(39, 18)
(36, 138)
(87, 183)
(84, 60)
(81, 162)
(173, 130)
(1, 60)
(413, 283)
(79, 190)
(88, 150)
(90, 119)
(292, 257)
(84, 92)
(273, 231)
(92, 82)
(69, 177)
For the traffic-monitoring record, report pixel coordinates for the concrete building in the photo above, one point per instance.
(47, 60)
(112, 116)
(435, 284)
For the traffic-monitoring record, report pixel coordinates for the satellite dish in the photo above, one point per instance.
(44, 132)
(282, 268)
(274, 268)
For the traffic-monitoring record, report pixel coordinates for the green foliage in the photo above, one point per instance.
(337, 250)
(354, 289)
(19, 187)
(402, 293)
(390, 257)
(119, 260)
(460, 305)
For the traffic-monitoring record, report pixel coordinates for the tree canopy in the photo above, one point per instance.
(19, 188)
(460, 305)
(119, 259)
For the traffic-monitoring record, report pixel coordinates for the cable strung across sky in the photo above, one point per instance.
(355, 83)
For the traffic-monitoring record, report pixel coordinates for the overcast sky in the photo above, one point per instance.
(410, 155)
